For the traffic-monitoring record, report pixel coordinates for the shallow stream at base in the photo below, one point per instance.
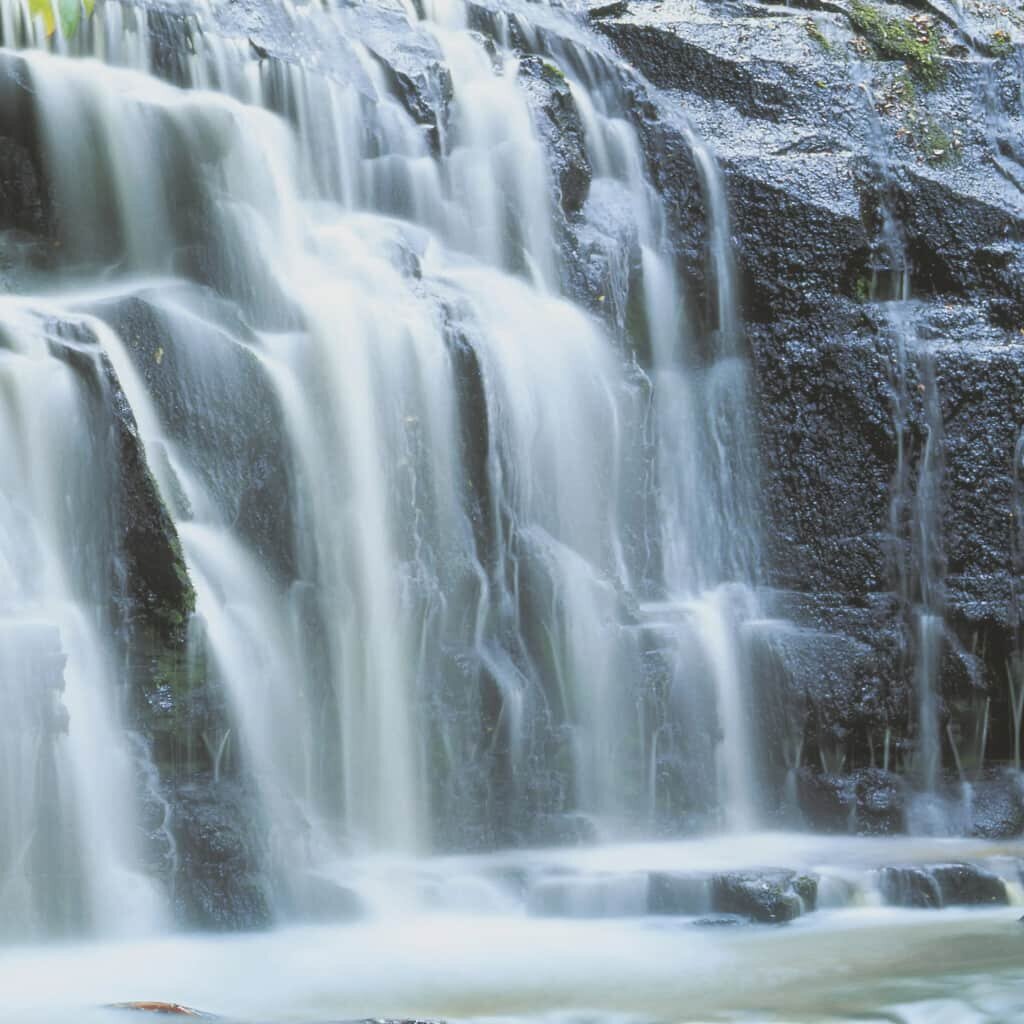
(465, 955)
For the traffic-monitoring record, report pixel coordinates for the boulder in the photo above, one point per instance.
(968, 885)
(943, 885)
(765, 897)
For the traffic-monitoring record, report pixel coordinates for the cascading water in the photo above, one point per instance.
(454, 473)
(69, 856)
(490, 512)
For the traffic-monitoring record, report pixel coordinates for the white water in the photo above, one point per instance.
(507, 585)
(68, 853)
(468, 959)
(475, 501)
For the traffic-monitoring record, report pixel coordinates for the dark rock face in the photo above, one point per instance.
(966, 885)
(240, 446)
(820, 140)
(216, 884)
(200, 832)
(910, 887)
(867, 801)
(559, 125)
(150, 588)
(997, 808)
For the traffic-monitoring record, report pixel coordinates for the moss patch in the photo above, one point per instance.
(1000, 45)
(915, 41)
(934, 142)
(553, 72)
(814, 31)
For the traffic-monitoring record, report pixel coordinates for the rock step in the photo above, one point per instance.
(762, 896)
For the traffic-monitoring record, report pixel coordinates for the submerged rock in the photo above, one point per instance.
(173, 1009)
(910, 887)
(678, 893)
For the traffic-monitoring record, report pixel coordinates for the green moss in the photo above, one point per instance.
(862, 288)
(915, 42)
(905, 89)
(553, 71)
(814, 31)
(934, 142)
(1000, 45)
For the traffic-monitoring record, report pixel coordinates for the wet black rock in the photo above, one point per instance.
(967, 885)
(867, 801)
(238, 447)
(151, 590)
(560, 128)
(814, 163)
(766, 897)
(910, 887)
(25, 206)
(997, 807)
(218, 881)
(944, 885)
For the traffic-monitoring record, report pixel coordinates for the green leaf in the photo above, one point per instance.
(70, 16)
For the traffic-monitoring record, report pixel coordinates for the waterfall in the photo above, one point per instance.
(69, 859)
(471, 555)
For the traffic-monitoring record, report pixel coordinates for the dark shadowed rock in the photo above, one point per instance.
(997, 807)
(944, 885)
(195, 369)
(766, 897)
(867, 801)
(559, 125)
(967, 885)
(910, 887)
(218, 883)
(816, 131)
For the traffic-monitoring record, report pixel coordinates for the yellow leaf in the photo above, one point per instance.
(158, 355)
(43, 9)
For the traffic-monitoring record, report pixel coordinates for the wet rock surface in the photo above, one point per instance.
(217, 881)
(825, 126)
(943, 885)
(771, 897)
